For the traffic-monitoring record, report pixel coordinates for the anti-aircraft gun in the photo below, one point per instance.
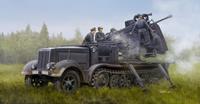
(141, 34)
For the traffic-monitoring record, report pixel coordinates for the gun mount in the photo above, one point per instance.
(143, 34)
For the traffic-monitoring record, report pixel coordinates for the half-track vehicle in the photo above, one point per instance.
(111, 63)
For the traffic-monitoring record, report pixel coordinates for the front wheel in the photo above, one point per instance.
(69, 82)
(35, 81)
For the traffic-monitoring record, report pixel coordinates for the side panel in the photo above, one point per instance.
(80, 56)
(129, 22)
(104, 53)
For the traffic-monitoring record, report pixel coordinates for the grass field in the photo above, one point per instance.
(187, 91)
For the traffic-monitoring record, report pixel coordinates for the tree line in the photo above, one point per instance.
(22, 46)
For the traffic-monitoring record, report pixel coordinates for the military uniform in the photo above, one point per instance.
(100, 36)
(110, 35)
(141, 28)
(90, 37)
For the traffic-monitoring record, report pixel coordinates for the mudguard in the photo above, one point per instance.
(27, 68)
(64, 65)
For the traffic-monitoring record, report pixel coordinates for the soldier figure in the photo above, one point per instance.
(100, 36)
(90, 37)
(142, 28)
(109, 36)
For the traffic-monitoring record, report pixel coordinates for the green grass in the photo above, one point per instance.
(187, 91)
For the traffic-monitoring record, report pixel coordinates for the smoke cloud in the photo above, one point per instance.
(184, 28)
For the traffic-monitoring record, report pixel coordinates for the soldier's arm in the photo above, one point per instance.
(86, 40)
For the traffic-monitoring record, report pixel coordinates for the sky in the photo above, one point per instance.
(68, 15)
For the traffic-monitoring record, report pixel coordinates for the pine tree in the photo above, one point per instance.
(1, 37)
(44, 35)
(28, 29)
(78, 37)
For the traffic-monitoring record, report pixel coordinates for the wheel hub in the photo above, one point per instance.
(69, 83)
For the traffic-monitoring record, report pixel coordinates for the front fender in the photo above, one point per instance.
(27, 68)
(61, 66)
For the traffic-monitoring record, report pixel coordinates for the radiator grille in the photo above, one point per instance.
(43, 59)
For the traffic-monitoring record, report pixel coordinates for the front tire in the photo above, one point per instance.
(69, 82)
(35, 81)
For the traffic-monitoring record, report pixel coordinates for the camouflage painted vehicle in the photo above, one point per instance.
(110, 63)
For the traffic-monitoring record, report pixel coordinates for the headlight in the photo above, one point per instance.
(51, 66)
(33, 67)
(120, 53)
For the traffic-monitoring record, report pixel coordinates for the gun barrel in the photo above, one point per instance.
(170, 16)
